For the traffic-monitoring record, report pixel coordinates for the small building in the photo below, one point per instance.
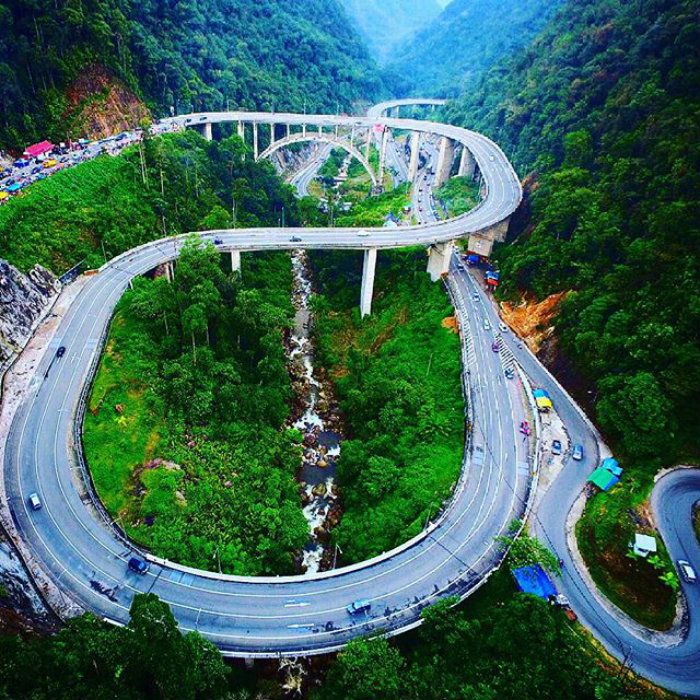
(643, 545)
(37, 150)
(603, 479)
(612, 465)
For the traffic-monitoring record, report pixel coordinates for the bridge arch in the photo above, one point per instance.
(325, 138)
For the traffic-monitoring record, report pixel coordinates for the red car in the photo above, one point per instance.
(525, 428)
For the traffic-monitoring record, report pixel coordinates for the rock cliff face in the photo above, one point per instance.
(23, 302)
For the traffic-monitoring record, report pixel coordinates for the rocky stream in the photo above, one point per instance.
(316, 416)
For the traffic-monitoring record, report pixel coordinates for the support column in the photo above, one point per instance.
(368, 267)
(255, 140)
(415, 152)
(444, 164)
(352, 137)
(397, 112)
(303, 130)
(482, 242)
(467, 163)
(206, 131)
(241, 131)
(320, 129)
(169, 271)
(382, 156)
(272, 134)
(439, 259)
(235, 261)
(289, 130)
(369, 142)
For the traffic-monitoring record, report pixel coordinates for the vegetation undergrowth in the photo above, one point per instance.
(397, 376)
(172, 184)
(458, 195)
(184, 430)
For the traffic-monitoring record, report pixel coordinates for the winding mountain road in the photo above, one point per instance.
(268, 616)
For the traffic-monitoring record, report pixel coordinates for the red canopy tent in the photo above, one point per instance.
(39, 149)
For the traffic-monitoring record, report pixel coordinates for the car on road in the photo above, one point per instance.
(509, 373)
(687, 571)
(295, 239)
(556, 447)
(475, 296)
(34, 501)
(460, 267)
(525, 428)
(218, 241)
(496, 346)
(487, 325)
(363, 234)
(36, 170)
(138, 566)
(61, 351)
(359, 606)
(577, 452)
(502, 327)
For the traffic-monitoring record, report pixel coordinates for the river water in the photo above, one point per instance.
(318, 422)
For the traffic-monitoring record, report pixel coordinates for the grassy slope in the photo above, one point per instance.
(231, 498)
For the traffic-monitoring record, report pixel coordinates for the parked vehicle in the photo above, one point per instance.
(50, 163)
(34, 501)
(502, 327)
(359, 606)
(556, 447)
(577, 453)
(138, 566)
(525, 428)
(687, 571)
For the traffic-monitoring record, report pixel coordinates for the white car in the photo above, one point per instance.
(687, 571)
(363, 234)
(487, 325)
(502, 327)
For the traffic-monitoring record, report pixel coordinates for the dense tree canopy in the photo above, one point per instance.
(603, 108)
(179, 56)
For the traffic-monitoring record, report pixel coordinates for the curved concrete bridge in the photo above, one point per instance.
(85, 555)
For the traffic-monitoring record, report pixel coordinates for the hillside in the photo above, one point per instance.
(602, 111)
(454, 50)
(384, 24)
(199, 54)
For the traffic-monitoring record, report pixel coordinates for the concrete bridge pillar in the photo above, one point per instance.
(467, 163)
(415, 152)
(289, 130)
(444, 164)
(206, 131)
(303, 130)
(235, 261)
(169, 271)
(368, 143)
(382, 156)
(241, 131)
(369, 266)
(273, 136)
(397, 112)
(439, 259)
(255, 140)
(482, 242)
(352, 137)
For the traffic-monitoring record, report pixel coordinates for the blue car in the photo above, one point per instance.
(359, 606)
(138, 566)
(577, 452)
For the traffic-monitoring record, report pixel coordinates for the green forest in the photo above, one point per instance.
(405, 429)
(601, 112)
(178, 57)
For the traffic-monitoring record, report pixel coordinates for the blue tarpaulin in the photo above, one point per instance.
(534, 580)
(612, 465)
